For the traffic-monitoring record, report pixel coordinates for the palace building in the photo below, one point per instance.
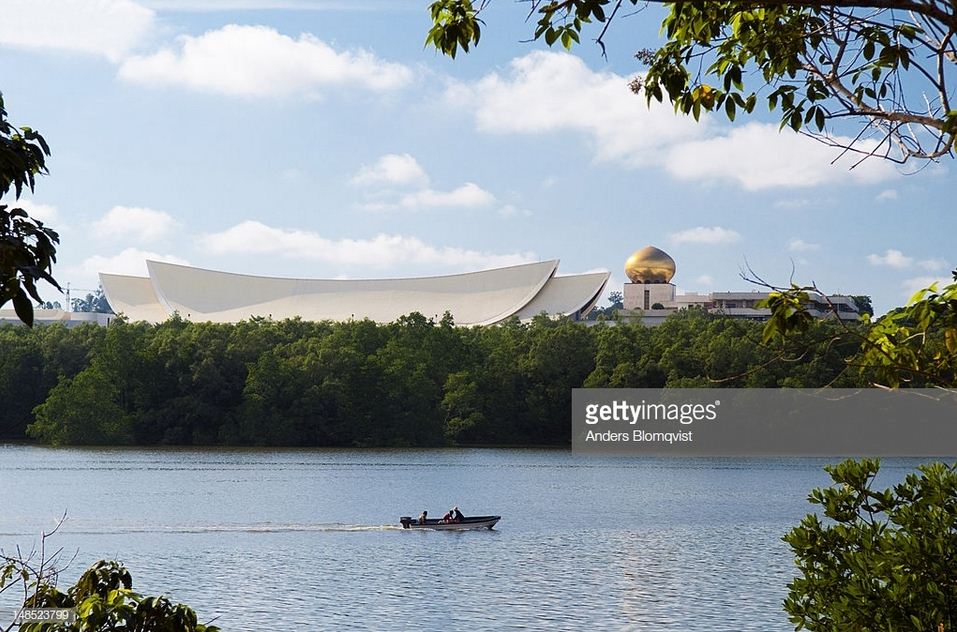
(650, 295)
(475, 298)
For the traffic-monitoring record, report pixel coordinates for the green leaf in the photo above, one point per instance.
(729, 109)
(23, 308)
(795, 121)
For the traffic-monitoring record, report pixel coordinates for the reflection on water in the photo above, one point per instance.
(310, 539)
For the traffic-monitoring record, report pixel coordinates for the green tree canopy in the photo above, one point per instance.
(27, 247)
(93, 302)
(103, 598)
(887, 65)
(882, 559)
(914, 345)
(359, 383)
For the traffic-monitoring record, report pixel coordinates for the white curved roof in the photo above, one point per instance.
(474, 298)
(134, 297)
(565, 295)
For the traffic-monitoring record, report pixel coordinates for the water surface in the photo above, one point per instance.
(309, 540)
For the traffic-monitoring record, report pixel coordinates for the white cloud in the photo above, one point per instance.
(799, 245)
(897, 259)
(258, 61)
(381, 251)
(705, 235)
(108, 28)
(131, 261)
(135, 223)
(759, 156)
(891, 258)
(705, 280)
(919, 283)
(45, 213)
(933, 265)
(547, 92)
(403, 170)
(469, 195)
(396, 169)
(887, 194)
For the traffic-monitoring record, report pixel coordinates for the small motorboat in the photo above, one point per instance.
(472, 522)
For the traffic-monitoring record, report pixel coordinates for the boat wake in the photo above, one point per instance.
(229, 528)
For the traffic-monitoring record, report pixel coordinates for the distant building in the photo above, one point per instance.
(53, 316)
(650, 295)
(475, 298)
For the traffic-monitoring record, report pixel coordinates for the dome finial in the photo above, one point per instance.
(650, 265)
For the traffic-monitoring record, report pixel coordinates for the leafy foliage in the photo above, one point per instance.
(863, 304)
(788, 312)
(889, 64)
(881, 559)
(915, 345)
(93, 302)
(455, 25)
(83, 409)
(103, 598)
(412, 382)
(616, 303)
(27, 247)
(917, 342)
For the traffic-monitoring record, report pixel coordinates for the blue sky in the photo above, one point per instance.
(320, 139)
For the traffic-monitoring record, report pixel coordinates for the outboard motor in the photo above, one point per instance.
(406, 521)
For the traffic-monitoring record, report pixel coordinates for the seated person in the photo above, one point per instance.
(423, 517)
(457, 515)
(447, 517)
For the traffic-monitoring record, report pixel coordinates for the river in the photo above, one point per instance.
(309, 539)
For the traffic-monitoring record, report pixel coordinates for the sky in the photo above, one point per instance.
(322, 139)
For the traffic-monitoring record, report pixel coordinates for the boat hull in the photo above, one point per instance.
(476, 522)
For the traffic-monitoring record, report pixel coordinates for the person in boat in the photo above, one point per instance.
(457, 515)
(447, 517)
(424, 517)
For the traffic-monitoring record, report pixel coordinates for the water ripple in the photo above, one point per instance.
(310, 539)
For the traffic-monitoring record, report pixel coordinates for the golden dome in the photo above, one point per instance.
(650, 265)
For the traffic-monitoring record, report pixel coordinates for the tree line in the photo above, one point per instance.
(414, 382)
